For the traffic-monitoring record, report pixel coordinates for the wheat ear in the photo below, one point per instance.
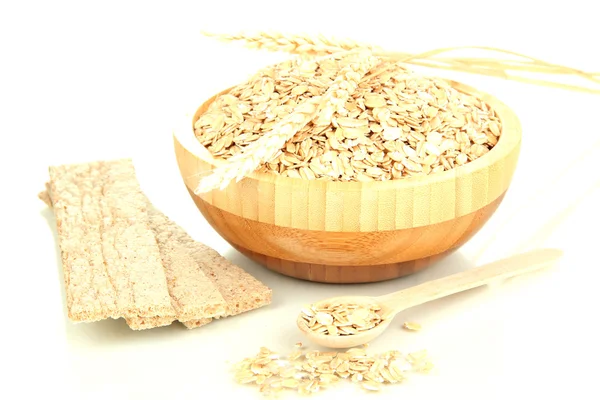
(294, 44)
(498, 68)
(268, 145)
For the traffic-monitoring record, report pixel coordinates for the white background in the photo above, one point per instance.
(81, 81)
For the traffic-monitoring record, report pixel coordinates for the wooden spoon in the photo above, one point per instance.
(393, 303)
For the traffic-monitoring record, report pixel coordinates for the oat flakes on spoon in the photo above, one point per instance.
(349, 321)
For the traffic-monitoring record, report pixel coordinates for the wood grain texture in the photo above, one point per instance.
(352, 231)
(499, 270)
(352, 257)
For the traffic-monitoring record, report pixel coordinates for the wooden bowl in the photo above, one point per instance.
(353, 232)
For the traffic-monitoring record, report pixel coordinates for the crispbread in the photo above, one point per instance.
(111, 261)
(45, 195)
(194, 295)
(241, 291)
(201, 283)
(197, 323)
(142, 323)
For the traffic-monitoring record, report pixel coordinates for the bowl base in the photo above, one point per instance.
(341, 273)
(361, 257)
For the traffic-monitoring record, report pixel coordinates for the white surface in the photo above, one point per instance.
(80, 82)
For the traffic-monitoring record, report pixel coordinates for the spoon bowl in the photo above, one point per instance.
(337, 342)
(391, 304)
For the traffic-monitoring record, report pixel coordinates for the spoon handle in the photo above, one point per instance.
(501, 269)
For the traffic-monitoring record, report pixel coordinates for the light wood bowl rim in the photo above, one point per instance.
(509, 138)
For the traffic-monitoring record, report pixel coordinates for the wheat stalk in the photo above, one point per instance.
(317, 46)
(295, 44)
(268, 145)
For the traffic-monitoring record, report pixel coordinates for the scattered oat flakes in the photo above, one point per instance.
(313, 370)
(412, 326)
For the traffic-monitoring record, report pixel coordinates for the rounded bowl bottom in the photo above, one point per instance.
(344, 257)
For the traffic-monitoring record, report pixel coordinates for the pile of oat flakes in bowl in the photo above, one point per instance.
(395, 124)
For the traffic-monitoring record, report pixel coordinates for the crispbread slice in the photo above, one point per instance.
(197, 323)
(45, 195)
(111, 261)
(142, 323)
(137, 322)
(194, 295)
(241, 291)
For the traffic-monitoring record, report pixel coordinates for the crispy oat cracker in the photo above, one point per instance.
(201, 284)
(111, 261)
(240, 290)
